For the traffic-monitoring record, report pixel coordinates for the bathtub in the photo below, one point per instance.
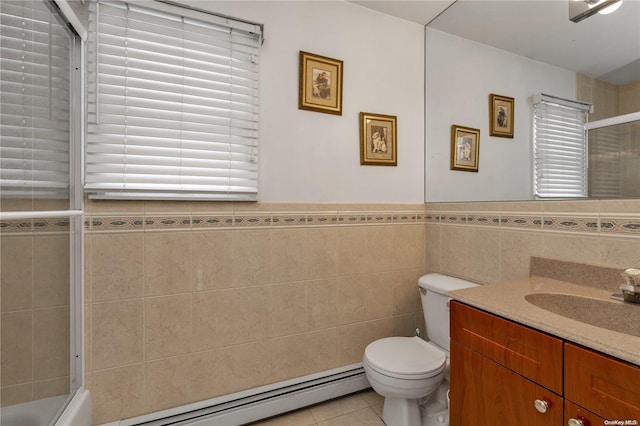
(59, 410)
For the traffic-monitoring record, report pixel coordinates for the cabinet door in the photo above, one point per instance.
(486, 393)
(587, 418)
(603, 385)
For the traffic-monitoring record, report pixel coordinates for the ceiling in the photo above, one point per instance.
(602, 46)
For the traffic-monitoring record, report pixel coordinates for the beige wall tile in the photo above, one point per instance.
(576, 248)
(116, 337)
(379, 329)
(213, 320)
(17, 394)
(321, 254)
(116, 266)
(211, 377)
(253, 313)
(483, 254)
(405, 325)
(251, 257)
(322, 303)
(51, 344)
(97, 207)
(167, 326)
(408, 246)
(379, 296)
(516, 248)
(351, 300)
(167, 383)
(619, 252)
(52, 387)
(432, 248)
(581, 206)
(289, 308)
(380, 254)
(352, 244)
(16, 341)
(352, 340)
(167, 263)
(454, 254)
(248, 365)
(288, 255)
(405, 292)
(212, 260)
(51, 271)
(288, 357)
(118, 393)
(321, 350)
(16, 274)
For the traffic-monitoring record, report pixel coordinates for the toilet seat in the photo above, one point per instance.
(409, 358)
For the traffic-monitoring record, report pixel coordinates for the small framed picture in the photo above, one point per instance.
(320, 87)
(378, 140)
(465, 148)
(501, 116)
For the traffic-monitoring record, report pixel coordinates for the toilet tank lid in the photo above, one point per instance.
(443, 283)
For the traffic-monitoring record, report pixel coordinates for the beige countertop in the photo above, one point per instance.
(507, 300)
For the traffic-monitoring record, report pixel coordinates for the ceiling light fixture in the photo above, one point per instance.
(582, 9)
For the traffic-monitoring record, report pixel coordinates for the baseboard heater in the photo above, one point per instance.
(260, 403)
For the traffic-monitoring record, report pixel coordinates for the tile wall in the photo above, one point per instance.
(34, 318)
(490, 242)
(189, 301)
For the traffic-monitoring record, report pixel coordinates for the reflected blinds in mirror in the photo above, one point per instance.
(34, 79)
(560, 148)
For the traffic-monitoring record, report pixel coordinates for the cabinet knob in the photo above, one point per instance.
(575, 422)
(541, 405)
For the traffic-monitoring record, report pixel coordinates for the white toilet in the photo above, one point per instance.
(405, 370)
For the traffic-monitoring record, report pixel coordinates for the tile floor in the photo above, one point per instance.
(359, 409)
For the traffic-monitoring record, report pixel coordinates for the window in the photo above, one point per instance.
(559, 147)
(173, 104)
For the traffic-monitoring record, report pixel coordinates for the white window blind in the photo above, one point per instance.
(35, 49)
(173, 104)
(560, 148)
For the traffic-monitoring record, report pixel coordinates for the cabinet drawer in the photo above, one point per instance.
(528, 352)
(608, 387)
(572, 411)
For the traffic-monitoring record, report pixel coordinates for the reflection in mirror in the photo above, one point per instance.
(614, 161)
(518, 48)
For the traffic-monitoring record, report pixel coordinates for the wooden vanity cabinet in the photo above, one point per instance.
(499, 370)
(503, 373)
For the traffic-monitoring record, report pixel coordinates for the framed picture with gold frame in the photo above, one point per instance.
(320, 87)
(501, 116)
(378, 139)
(465, 148)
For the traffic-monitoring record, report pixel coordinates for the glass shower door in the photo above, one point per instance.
(41, 217)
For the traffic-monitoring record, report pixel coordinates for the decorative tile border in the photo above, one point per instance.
(226, 220)
(25, 226)
(620, 225)
(553, 223)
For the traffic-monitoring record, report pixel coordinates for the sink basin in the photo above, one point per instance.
(623, 318)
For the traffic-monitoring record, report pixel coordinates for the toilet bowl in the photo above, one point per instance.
(403, 370)
(408, 370)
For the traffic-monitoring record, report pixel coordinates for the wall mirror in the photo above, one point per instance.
(518, 48)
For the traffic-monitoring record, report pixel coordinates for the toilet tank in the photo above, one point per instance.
(435, 304)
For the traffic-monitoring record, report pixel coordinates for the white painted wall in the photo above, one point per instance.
(313, 157)
(461, 74)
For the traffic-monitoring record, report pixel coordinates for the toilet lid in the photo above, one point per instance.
(405, 357)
